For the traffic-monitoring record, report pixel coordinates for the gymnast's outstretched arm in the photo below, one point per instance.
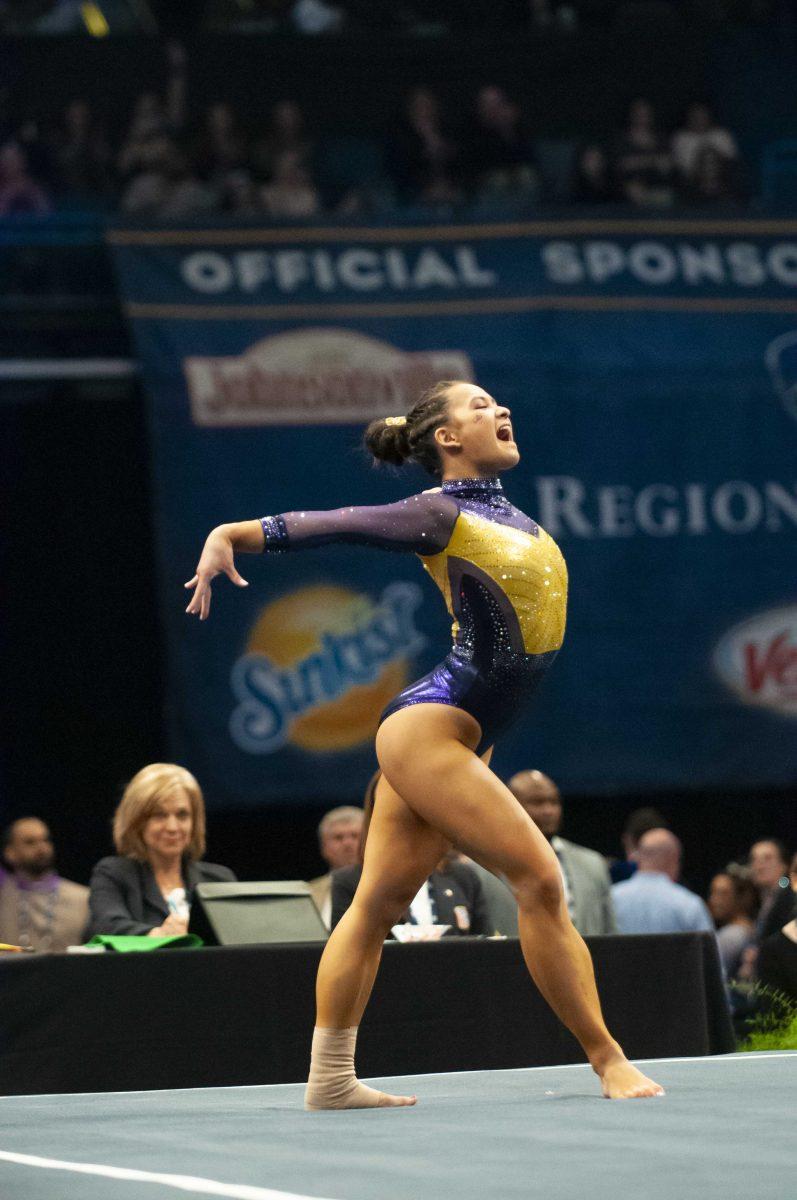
(421, 523)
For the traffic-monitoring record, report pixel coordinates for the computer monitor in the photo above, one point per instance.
(235, 914)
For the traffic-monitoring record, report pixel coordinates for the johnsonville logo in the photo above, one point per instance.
(314, 377)
(758, 660)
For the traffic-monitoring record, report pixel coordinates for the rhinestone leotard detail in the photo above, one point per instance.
(503, 579)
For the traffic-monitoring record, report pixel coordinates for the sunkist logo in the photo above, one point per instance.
(758, 660)
(320, 665)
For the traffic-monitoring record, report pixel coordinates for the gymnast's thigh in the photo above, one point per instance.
(401, 850)
(429, 757)
(399, 829)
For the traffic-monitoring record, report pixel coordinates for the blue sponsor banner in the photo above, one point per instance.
(652, 372)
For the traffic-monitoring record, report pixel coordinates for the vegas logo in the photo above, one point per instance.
(757, 659)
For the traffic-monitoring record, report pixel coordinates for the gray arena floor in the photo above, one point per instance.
(725, 1130)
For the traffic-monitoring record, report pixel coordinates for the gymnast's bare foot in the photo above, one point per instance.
(621, 1080)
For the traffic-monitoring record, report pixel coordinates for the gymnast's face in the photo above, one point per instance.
(478, 434)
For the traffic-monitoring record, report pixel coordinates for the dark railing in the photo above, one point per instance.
(58, 296)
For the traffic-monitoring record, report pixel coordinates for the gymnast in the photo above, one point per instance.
(505, 584)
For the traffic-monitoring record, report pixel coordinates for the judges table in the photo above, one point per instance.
(244, 1014)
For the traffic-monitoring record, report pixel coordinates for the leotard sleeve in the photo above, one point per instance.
(422, 524)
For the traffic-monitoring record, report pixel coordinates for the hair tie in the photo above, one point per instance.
(395, 420)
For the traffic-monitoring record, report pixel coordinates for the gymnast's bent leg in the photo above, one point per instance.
(401, 851)
(427, 754)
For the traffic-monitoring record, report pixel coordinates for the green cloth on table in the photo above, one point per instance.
(127, 942)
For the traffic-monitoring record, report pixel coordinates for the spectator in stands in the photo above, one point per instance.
(592, 183)
(82, 155)
(185, 195)
(38, 909)
(700, 132)
(544, 16)
(652, 901)
(425, 159)
(38, 154)
(712, 182)
(769, 871)
(222, 145)
(291, 194)
(640, 821)
(339, 838)
(643, 162)
(146, 888)
(20, 195)
(147, 124)
(733, 902)
(148, 183)
(585, 874)
(286, 134)
(452, 895)
(255, 17)
(317, 16)
(239, 195)
(155, 118)
(777, 957)
(501, 160)
(169, 189)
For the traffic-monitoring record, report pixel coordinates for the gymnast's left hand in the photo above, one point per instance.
(217, 558)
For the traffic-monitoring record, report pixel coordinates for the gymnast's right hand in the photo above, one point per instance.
(216, 559)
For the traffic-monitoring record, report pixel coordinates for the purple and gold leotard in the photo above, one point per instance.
(503, 578)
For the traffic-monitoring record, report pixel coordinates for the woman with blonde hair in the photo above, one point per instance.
(159, 834)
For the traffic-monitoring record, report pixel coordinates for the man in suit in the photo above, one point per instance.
(584, 872)
(452, 895)
(339, 836)
(499, 901)
(38, 909)
(769, 871)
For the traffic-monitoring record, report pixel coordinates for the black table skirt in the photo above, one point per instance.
(244, 1015)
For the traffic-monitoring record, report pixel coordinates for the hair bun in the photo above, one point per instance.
(387, 443)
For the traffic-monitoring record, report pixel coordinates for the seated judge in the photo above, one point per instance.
(159, 833)
(452, 895)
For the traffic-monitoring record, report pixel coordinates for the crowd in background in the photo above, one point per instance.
(414, 17)
(146, 888)
(167, 166)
